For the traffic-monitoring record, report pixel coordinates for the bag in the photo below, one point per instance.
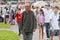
(13, 22)
(40, 24)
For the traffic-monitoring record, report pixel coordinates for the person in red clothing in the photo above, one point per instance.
(18, 16)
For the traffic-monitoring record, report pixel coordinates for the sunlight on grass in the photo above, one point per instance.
(8, 35)
(3, 25)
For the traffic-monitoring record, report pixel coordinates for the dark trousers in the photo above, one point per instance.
(59, 24)
(47, 25)
(27, 35)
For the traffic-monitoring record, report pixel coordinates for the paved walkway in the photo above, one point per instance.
(35, 35)
(14, 28)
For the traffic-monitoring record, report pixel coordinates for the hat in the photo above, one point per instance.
(57, 7)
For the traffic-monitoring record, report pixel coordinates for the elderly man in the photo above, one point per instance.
(28, 23)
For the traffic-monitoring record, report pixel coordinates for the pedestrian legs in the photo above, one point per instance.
(27, 36)
(47, 29)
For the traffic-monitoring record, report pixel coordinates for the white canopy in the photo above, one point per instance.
(39, 4)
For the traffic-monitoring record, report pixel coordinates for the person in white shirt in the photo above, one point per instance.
(47, 13)
(4, 11)
(54, 29)
(7, 17)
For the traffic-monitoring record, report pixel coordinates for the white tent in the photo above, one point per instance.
(39, 4)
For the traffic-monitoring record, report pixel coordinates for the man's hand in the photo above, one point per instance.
(34, 30)
(38, 24)
(21, 31)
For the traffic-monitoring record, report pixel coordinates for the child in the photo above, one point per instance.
(18, 16)
(40, 20)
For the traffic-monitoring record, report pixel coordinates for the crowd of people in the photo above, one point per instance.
(31, 18)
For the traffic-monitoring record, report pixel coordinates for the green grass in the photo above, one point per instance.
(8, 35)
(3, 25)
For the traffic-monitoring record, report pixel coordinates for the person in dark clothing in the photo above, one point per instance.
(1, 10)
(59, 20)
(28, 23)
(1, 18)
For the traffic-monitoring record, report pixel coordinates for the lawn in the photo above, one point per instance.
(8, 35)
(3, 25)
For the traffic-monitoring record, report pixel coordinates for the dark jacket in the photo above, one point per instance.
(28, 21)
(1, 19)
